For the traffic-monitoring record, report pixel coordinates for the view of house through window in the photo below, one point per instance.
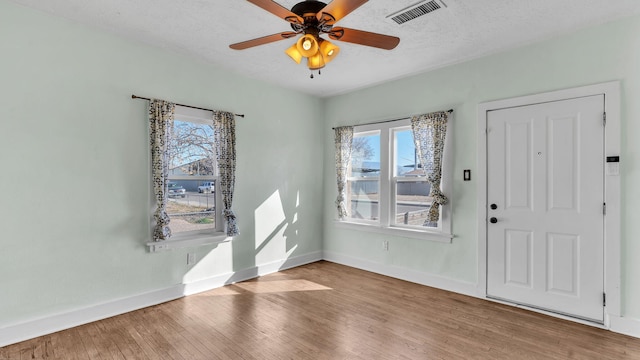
(191, 200)
(389, 187)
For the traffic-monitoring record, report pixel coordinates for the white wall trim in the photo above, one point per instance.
(417, 277)
(617, 324)
(626, 326)
(249, 273)
(611, 90)
(46, 325)
(30, 329)
(15, 333)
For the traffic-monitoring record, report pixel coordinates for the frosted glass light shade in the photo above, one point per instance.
(294, 53)
(328, 50)
(315, 62)
(307, 45)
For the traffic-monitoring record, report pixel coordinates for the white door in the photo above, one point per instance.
(545, 194)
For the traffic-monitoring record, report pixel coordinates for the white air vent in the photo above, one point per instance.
(415, 10)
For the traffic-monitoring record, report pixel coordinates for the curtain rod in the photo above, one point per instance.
(189, 106)
(386, 121)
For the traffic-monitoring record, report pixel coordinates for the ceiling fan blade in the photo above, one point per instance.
(278, 10)
(262, 40)
(337, 9)
(380, 41)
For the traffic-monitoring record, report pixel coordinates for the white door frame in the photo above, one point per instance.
(611, 91)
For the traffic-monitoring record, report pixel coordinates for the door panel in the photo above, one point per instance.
(563, 181)
(518, 172)
(518, 258)
(562, 271)
(545, 166)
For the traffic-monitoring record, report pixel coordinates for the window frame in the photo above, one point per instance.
(388, 182)
(202, 236)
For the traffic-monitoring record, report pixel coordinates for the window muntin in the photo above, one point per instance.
(191, 200)
(402, 200)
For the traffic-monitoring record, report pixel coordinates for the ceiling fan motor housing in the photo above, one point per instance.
(307, 7)
(307, 10)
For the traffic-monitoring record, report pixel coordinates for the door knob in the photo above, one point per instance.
(493, 220)
(494, 206)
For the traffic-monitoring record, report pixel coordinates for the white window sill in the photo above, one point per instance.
(397, 231)
(189, 240)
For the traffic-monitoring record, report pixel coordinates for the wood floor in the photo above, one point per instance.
(329, 311)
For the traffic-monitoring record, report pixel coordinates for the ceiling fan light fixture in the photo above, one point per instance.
(294, 53)
(328, 50)
(307, 45)
(315, 62)
(313, 19)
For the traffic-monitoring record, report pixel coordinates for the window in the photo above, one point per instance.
(411, 199)
(363, 184)
(191, 197)
(387, 189)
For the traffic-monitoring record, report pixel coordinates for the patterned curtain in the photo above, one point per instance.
(343, 143)
(160, 114)
(224, 124)
(429, 131)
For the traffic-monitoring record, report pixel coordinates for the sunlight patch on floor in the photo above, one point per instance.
(261, 287)
(221, 291)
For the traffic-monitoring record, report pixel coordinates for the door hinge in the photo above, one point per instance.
(604, 299)
(604, 118)
(604, 208)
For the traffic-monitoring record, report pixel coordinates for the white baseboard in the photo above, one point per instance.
(33, 328)
(624, 325)
(404, 274)
(250, 273)
(38, 327)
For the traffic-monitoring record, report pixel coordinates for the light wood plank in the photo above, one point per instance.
(329, 311)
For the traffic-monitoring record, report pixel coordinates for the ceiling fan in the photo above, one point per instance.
(313, 18)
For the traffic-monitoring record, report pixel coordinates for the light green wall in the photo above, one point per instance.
(75, 179)
(599, 54)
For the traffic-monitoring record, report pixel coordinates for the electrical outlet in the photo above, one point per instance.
(191, 258)
(385, 245)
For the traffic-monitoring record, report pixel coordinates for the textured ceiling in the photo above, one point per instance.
(462, 30)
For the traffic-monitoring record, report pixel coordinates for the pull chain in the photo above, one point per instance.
(319, 73)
